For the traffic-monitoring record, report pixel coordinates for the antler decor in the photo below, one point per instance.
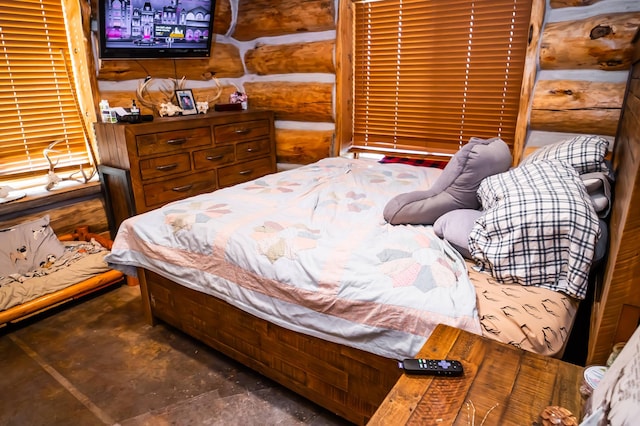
(162, 104)
(52, 178)
(167, 90)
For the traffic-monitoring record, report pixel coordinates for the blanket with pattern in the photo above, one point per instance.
(308, 249)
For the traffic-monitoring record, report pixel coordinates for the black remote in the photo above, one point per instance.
(434, 367)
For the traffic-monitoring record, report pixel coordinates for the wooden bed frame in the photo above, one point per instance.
(48, 301)
(352, 383)
(349, 382)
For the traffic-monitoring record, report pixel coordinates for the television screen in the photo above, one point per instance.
(133, 29)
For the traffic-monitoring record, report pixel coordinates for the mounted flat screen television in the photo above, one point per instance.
(139, 29)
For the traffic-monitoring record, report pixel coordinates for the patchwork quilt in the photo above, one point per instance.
(309, 250)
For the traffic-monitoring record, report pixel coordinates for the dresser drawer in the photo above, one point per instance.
(156, 194)
(241, 130)
(164, 166)
(252, 149)
(212, 157)
(243, 172)
(174, 141)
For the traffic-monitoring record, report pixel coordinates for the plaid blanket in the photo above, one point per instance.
(539, 227)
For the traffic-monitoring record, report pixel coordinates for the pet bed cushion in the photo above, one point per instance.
(26, 246)
(456, 186)
(79, 261)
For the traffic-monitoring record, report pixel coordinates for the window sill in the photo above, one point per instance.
(42, 200)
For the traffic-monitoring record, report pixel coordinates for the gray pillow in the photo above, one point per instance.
(455, 227)
(456, 186)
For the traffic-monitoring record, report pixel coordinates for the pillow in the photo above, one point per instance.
(599, 189)
(24, 247)
(585, 153)
(455, 227)
(455, 188)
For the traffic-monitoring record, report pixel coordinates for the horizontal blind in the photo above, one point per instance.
(37, 96)
(429, 75)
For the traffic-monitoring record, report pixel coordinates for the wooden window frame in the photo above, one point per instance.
(345, 85)
(60, 107)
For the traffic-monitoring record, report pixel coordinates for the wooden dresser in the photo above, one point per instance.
(146, 165)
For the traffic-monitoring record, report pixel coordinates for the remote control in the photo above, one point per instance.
(434, 367)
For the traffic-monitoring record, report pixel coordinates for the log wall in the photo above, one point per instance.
(585, 55)
(283, 54)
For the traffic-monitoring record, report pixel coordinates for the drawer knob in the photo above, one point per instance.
(167, 167)
(251, 149)
(184, 188)
(176, 141)
(246, 172)
(242, 131)
(214, 157)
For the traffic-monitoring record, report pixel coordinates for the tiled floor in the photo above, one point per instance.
(98, 363)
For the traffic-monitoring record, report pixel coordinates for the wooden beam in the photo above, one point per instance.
(291, 58)
(293, 101)
(268, 18)
(303, 146)
(577, 106)
(599, 42)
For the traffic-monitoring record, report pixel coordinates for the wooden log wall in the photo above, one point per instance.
(585, 56)
(282, 53)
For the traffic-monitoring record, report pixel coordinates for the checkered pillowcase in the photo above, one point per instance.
(585, 153)
(538, 228)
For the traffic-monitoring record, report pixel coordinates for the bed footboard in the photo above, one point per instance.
(346, 381)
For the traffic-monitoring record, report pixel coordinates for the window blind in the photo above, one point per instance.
(37, 96)
(429, 75)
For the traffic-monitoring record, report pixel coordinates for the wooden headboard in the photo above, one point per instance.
(616, 309)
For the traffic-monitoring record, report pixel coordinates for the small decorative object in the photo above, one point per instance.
(186, 101)
(52, 178)
(108, 115)
(134, 108)
(554, 415)
(238, 97)
(202, 107)
(169, 109)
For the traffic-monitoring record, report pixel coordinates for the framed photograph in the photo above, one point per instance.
(186, 101)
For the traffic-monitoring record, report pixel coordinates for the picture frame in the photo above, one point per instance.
(186, 101)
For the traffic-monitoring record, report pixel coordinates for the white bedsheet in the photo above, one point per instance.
(308, 249)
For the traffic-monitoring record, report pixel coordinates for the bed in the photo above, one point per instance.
(303, 276)
(46, 270)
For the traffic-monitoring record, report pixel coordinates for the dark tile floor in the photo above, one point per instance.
(97, 362)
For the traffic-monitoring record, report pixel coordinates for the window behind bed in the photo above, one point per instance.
(428, 75)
